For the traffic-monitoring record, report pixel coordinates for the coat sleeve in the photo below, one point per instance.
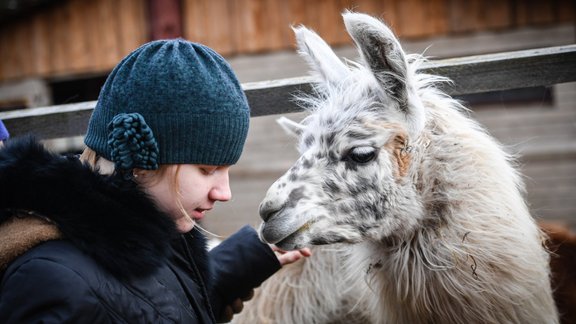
(240, 263)
(43, 291)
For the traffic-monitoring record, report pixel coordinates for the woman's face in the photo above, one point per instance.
(197, 188)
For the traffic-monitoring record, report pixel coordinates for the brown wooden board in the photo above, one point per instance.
(80, 36)
(134, 27)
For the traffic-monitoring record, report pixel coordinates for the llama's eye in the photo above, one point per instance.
(362, 154)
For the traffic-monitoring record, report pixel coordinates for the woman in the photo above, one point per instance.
(113, 238)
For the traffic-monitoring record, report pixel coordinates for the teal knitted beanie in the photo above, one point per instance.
(170, 102)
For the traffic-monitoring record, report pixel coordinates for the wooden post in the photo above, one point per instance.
(165, 19)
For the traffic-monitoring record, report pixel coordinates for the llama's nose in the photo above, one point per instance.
(268, 209)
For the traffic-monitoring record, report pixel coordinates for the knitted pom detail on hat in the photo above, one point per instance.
(132, 143)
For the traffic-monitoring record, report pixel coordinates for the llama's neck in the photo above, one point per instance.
(428, 280)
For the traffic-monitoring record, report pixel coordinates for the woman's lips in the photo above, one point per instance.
(199, 213)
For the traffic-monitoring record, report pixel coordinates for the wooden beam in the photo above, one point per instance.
(165, 19)
(473, 74)
(276, 96)
(49, 122)
(510, 70)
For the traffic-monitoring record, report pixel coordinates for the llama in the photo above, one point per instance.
(418, 213)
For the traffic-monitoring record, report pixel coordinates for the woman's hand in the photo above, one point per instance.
(287, 257)
(235, 307)
(284, 257)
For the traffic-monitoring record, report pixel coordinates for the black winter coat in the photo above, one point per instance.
(79, 247)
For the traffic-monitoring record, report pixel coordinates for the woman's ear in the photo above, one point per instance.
(144, 176)
(136, 173)
(291, 127)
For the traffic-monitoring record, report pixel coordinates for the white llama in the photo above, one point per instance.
(419, 212)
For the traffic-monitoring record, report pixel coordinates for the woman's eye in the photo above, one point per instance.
(362, 154)
(208, 170)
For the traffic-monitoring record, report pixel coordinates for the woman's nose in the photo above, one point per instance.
(221, 189)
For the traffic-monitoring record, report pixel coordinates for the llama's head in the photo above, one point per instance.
(354, 180)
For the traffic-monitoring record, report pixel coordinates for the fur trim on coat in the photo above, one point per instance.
(107, 217)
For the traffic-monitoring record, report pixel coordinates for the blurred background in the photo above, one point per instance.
(55, 52)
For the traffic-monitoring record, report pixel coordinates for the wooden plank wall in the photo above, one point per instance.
(248, 26)
(543, 134)
(82, 37)
(74, 37)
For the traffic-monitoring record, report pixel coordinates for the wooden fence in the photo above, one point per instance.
(473, 74)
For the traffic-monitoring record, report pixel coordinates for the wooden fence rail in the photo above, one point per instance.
(473, 74)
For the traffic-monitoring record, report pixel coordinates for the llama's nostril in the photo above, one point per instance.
(267, 215)
(267, 211)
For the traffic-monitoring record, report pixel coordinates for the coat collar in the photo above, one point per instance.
(107, 217)
(21, 233)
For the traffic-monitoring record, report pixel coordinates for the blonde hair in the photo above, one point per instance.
(106, 167)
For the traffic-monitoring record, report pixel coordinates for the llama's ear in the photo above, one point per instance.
(291, 127)
(380, 50)
(383, 54)
(320, 56)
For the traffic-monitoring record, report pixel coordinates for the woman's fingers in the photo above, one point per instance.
(287, 257)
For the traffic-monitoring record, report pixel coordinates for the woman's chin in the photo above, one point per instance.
(185, 224)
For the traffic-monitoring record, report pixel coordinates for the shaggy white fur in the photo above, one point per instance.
(418, 211)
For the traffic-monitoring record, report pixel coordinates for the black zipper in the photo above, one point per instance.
(199, 276)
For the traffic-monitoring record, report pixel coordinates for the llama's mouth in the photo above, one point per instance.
(294, 241)
(297, 240)
(289, 243)
(282, 229)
